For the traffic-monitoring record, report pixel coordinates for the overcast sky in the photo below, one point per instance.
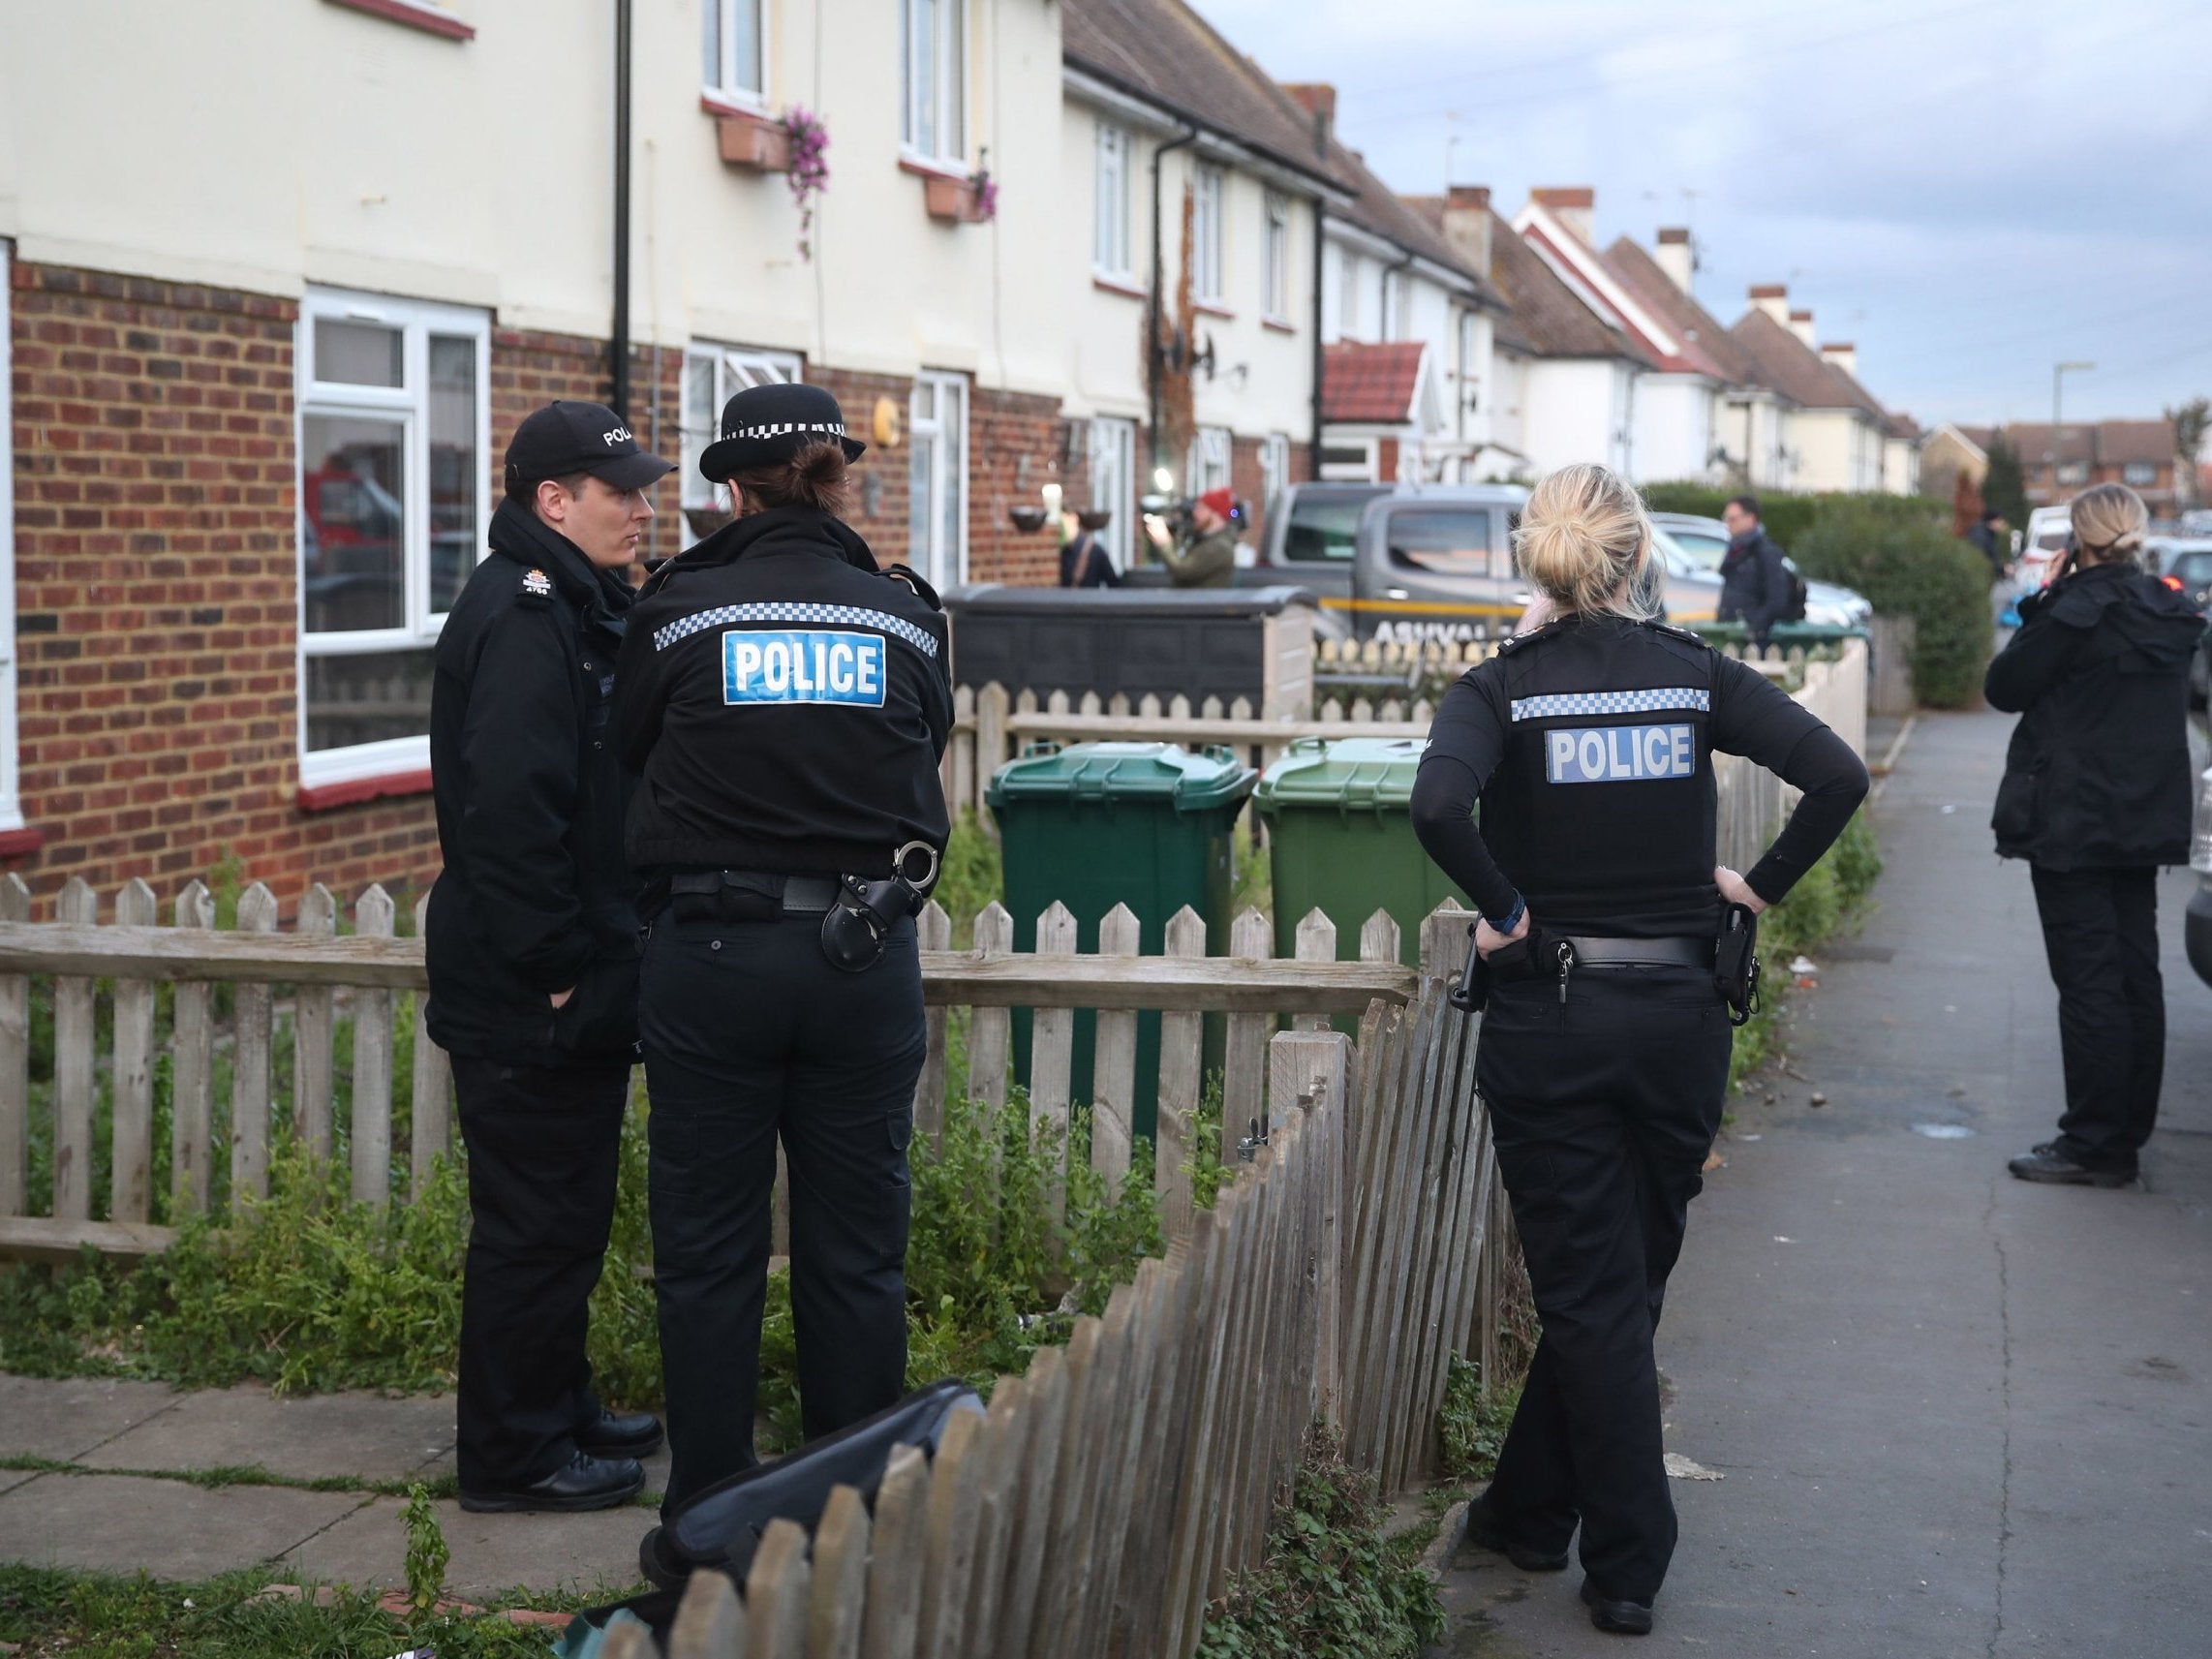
(1968, 190)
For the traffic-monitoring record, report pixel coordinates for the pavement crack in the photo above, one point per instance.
(277, 1559)
(2005, 1413)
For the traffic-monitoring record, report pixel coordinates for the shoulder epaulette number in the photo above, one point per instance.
(537, 586)
(1514, 641)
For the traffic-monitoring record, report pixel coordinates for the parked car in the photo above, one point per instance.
(2197, 927)
(1705, 540)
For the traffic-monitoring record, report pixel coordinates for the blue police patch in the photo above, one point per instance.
(803, 666)
(1619, 754)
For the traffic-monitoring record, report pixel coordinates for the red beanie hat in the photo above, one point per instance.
(1221, 501)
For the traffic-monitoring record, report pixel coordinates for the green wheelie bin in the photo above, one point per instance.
(1098, 824)
(1339, 822)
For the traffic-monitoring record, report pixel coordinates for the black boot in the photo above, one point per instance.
(620, 1435)
(583, 1482)
(2049, 1164)
(1620, 1618)
(1485, 1531)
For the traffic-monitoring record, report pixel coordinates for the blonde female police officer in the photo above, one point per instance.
(1603, 1053)
(784, 702)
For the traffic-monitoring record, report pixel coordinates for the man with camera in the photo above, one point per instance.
(1206, 556)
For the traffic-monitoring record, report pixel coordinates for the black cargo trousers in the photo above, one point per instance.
(749, 1035)
(1603, 1107)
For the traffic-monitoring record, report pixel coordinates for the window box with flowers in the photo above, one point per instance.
(958, 198)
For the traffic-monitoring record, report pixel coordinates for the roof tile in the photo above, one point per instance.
(1371, 384)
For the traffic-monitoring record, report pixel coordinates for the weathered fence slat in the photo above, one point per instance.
(254, 1012)
(314, 1034)
(933, 931)
(130, 1188)
(1315, 941)
(1183, 1079)
(1114, 1062)
(192, 1072)
(991, 1030)
(1244, 1063)
(955, 1474)
(1004, 1441)
(75, 1035)
(898, 1543)
(1052, 1048)
(1032, 1517)
(776, 1594)
(374, 917)
(710, 1619)
(430, 1089)
(841, 1577)
(15, 1063)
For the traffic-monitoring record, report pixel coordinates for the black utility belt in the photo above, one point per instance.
(857, 912)
(1731, 958)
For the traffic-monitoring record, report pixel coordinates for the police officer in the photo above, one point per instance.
(785, 703)
(1603, 1053)
(532, 947)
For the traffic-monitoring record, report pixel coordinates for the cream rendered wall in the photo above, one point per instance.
(1263, 377)
(1572, 409)
(1823, 440)
(1900, 466)
(1675, 427)
(310, 143)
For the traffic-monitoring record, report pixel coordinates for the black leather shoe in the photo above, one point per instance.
(620, 1435)
(2047, 1165)
(1484, 1532)
(1620, 1618)
(583, 1482)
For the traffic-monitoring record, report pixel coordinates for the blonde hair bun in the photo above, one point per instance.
(1582, 537)
(2110, 521)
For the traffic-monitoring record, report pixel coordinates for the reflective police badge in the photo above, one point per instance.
(537, 585)
(804, 665)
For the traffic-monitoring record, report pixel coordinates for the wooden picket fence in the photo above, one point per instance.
(1115, 1488)
(992, 725)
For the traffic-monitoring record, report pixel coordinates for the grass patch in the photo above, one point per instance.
(1831, 899)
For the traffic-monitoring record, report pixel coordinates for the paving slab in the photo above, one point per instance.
(592, 1554)
(368, 1435)
(68, 1417)
(171, 1529)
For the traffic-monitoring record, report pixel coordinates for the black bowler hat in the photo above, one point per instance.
(764, 424)
(569, 437)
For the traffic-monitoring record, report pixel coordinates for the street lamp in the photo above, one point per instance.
(2058, 374)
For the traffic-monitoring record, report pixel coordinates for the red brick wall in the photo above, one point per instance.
(880, 490)
(1014, 450)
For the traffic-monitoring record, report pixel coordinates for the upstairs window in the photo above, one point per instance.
(393, 513)
(2138, 473)
(1110, 223)
(733, 50)
(932, 56)
(1274, 279)
(1205, 235)
(712, 375)
(2074, 472)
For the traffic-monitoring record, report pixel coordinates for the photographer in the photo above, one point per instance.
(1208, 555)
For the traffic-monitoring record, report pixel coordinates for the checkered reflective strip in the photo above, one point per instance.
(851, 616)
(1612, 702)
(777, 429)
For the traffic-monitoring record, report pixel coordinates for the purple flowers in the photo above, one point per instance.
(986, 190)
(809, 170)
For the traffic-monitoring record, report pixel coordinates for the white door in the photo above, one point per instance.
(1114, 485)
(936, 509)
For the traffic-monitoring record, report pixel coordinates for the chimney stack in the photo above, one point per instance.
(1675, 256)
(1467, 224)
(1570, 204)
(1774, 298)
(1843, 354)
(1801, 326)
(1318, 98)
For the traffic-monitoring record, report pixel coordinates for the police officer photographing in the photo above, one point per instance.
(785, 703)
(1607, 932)
(532, 949)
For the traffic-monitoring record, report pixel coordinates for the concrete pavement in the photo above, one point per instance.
(1956, 1414)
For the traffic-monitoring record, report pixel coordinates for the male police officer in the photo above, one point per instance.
(532, 954)
(785, 704)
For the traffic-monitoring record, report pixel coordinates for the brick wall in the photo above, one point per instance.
(880, 492)
(1014, 450)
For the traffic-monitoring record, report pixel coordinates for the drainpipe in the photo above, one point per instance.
(618, 346)
(1158, 303)
(1320, 360)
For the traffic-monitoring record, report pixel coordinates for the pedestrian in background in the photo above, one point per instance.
(1206, 556)
(1755, 587)
(532, 949)
(1993, 538)
(785, 703)
(1603, 1053)
(1084, 561)
(2096, 796)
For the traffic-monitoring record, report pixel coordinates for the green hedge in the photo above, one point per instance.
(1894, 549)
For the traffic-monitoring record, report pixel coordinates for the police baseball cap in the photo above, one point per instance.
(569, 437)
(764, 424)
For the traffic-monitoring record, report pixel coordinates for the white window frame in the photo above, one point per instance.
(732, 369)
(1275, 468)
(1348, 295)
(940, 85)
(1209, 194)
(1211, 464)
(1396, 304)
(939, 565)
(724, 83)
(11, 768)
(1110, 202)
(2149, 471)
(418, 320)
(1114, 485)
(1275, 278)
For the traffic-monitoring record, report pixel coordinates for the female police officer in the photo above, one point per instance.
(785, 704)
(1603, 1055)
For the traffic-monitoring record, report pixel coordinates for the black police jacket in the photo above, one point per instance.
(536, 897)
(785, 704)
(1589, 744)
(2097, 776)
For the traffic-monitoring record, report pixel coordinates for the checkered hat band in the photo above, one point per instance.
(850, 616)
(1612, 702)
(779, 428)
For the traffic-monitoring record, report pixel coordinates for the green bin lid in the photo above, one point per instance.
(1156, 772)
(1371, 773)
